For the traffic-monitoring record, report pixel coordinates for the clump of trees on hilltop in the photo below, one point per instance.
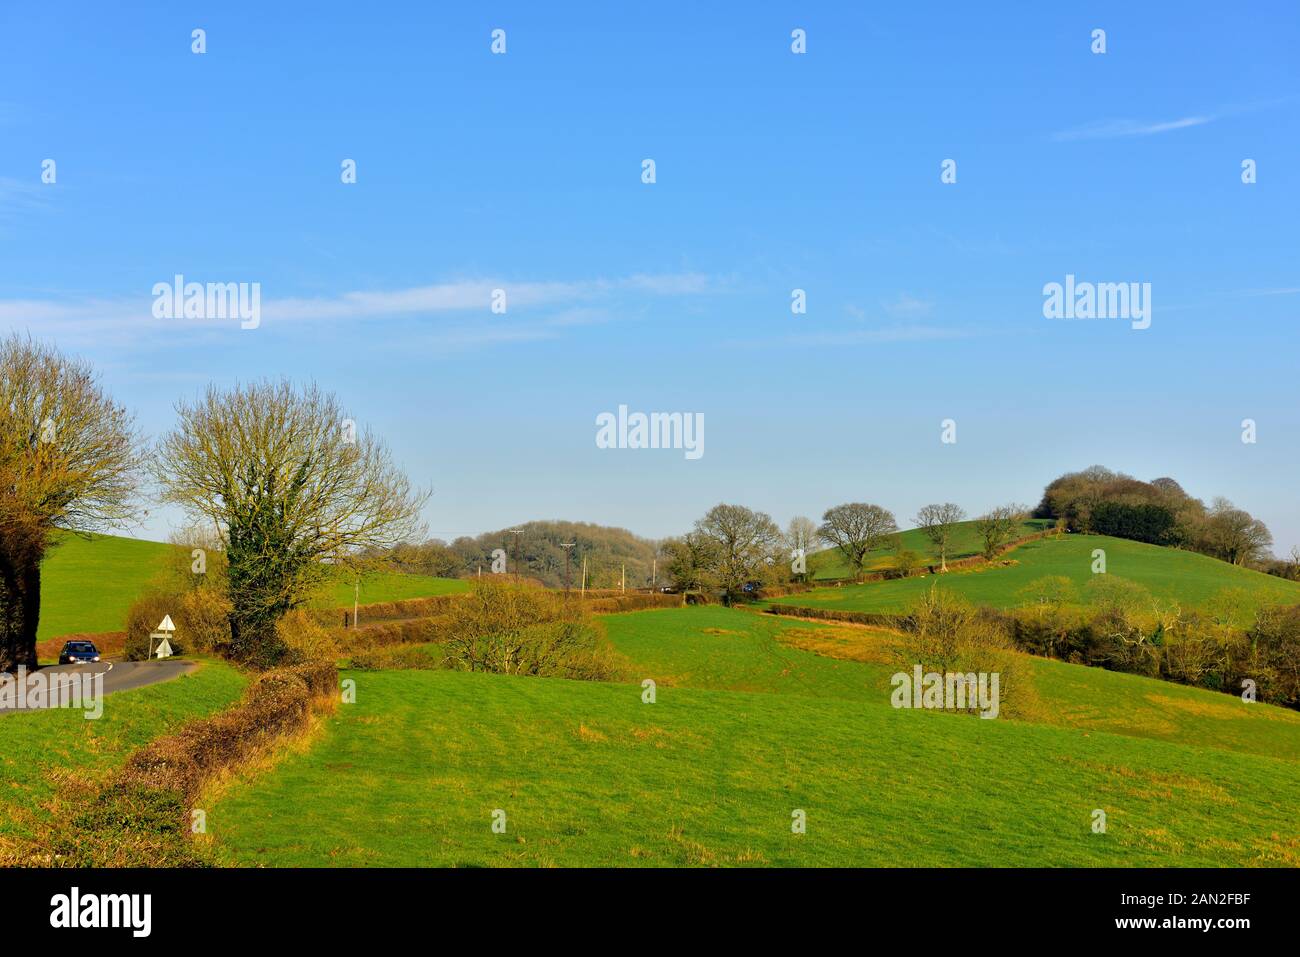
(1102, 502)
(535, 551)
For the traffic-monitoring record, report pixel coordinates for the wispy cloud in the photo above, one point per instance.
(1111, 129)
(18, 194)
(859, 337)
(905, 304)
(542, 308)
(1283, 291)
(467, 296)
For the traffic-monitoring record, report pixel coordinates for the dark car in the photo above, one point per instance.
(76, 652)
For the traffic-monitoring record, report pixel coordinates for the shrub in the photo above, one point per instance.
(903, 564)
(634, 602)
(144, 615)
(1052, 630)
(1110, 593)
(835, 614)
(304, 638)
(1119, 642)
(520, 629)
(205, 617)
(1274, 642)
(400, 658)
(946, 634)
(386, 610)
(411, 631)
(1050, 590)
(201, 617)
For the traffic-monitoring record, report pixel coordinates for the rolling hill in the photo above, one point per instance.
(1188, 577)
(829, 563)
(88, 583)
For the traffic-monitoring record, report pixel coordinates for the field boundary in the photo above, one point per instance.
(144, 815)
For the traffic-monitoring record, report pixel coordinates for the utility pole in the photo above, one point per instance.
(566, 546)
(516, 532)
(584, 576)
(356, 600)
(623, 587)
(654, 572)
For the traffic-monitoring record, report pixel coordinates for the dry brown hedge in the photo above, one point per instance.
(634, 602)
(141, 818)
(832, 614)
(404, 632)
(387, 610)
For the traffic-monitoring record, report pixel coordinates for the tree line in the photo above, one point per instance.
(733, 549)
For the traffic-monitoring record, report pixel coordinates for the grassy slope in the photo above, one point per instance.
(35, 747)
(1168, 572)
(589, 775)
(391, 586)
(829, 563)
(87, 585)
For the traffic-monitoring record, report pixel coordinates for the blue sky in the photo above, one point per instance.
(775, 171)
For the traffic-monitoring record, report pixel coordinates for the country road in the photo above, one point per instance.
(118, 675)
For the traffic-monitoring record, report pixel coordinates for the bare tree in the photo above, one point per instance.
(939, 522)
(998, 526)
(745, 544)
(855, 529)
(68, 460)
(294, 491)
(1234, 535)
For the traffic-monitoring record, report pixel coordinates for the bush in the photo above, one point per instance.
(401, 658)
(947, 635)
(1274, 642)
(144, 615)
(304, 638)
(634, 602)
(386, 610)
(1053, 631)
(412, 631)
(903, 564)
(205, 616)
(520, 629)
(833, 614)
(1050, 590)
(201, 617)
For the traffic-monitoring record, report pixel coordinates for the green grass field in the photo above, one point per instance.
(1169, 573)
(830, 563)
(715, 648)
(588, 774)
(390, 586)
(37, 747)
(87, 584)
